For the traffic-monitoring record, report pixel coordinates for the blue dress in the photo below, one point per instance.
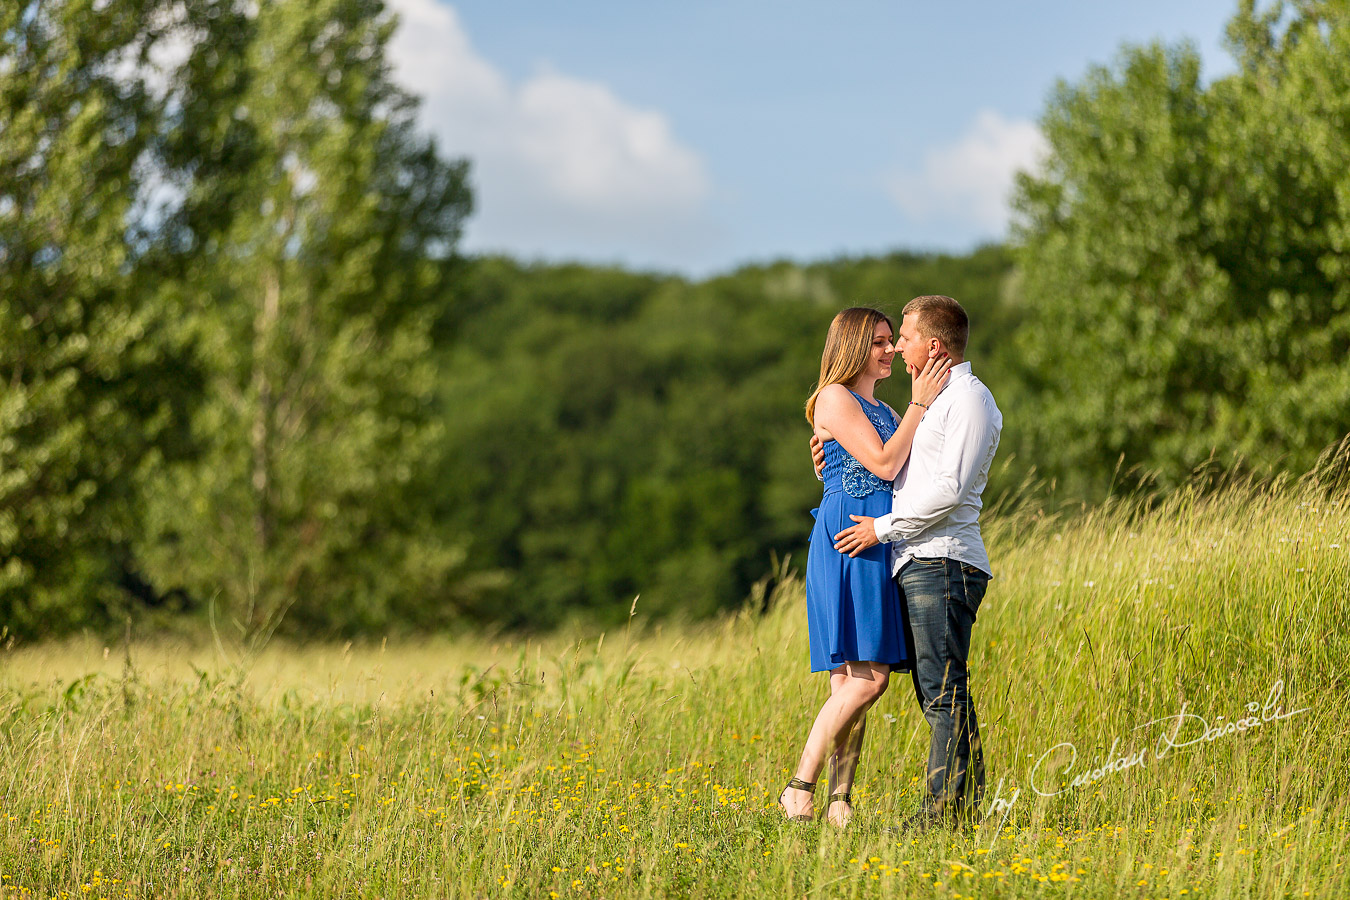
(852, 605)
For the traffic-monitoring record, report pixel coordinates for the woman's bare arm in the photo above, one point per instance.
(840, 417)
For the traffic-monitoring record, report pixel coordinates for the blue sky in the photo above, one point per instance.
(698, 136)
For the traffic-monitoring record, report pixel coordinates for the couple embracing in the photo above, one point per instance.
(897, 568)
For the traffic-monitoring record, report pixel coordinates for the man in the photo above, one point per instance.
(937, 555)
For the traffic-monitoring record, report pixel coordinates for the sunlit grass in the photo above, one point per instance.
(646, 763)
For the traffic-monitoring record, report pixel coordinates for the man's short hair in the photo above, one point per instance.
(942, 318)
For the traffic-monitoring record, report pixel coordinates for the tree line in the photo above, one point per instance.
(245, 374)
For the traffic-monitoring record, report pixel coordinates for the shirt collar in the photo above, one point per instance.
(962, 370)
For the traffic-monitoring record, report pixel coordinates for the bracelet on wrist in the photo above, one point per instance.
(917, 403)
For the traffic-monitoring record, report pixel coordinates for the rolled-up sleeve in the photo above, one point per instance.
(968, 440)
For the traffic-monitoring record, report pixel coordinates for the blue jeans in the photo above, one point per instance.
(941, 597)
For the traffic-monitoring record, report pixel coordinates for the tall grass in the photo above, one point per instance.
(646, 761)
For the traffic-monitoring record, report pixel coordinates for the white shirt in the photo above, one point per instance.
(935, 504)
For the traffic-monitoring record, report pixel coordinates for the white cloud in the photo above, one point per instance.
(561, 165)
(970, 181)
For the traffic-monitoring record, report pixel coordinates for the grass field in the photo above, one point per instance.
(646, 762)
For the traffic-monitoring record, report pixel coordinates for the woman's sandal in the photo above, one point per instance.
(840, 797)
(796, 784)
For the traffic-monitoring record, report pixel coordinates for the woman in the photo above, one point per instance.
(853, 606)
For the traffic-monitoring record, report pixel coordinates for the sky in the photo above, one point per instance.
(697, 136)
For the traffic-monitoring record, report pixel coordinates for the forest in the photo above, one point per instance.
(248, 378)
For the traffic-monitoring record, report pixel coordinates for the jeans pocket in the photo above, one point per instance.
(932, 562)
(973, 585)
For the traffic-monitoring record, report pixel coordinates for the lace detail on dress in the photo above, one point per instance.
(857, 480)
(880, 417)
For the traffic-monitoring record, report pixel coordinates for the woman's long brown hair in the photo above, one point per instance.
(848, 346)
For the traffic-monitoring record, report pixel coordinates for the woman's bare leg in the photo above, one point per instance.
(843, 767)
(860, 685)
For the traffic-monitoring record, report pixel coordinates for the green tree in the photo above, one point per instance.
(312, 315)
(1184, 256)
(615, 433)
(93, 377)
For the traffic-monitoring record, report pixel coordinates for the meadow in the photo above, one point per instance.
(1162, 691)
